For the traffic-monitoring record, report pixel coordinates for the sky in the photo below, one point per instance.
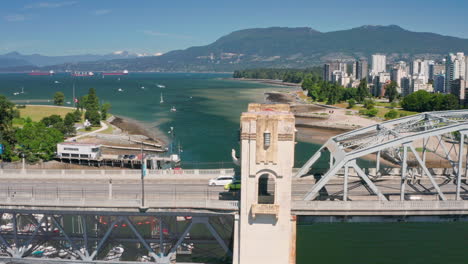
(68, 27)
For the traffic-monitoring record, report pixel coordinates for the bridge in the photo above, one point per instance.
(83, 212)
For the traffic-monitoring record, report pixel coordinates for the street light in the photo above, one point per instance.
(143, 174)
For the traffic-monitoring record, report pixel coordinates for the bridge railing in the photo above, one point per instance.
(198, 173)
(158, 196)
(379, 207)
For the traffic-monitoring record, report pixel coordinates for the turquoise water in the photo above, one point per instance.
(208, 108)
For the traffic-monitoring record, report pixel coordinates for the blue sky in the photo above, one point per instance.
(65, 27)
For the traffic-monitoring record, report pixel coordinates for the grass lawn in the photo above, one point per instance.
(37, 112)
(383, 111)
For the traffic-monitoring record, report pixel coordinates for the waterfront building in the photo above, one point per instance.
(379, 63)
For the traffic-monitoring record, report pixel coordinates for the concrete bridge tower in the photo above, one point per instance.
(265, 230)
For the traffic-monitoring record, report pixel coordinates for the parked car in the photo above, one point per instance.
(233, 186)
(221, 181)
(125, 157)
(131, 157)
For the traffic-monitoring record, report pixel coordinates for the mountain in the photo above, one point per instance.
(14, 59)
(283, 47)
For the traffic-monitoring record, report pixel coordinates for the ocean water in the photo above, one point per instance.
(206, 122)
(206, 127)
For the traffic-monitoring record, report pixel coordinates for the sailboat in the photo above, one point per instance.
(173, 109)
(162, 100)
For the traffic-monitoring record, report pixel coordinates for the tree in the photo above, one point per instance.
(369, 104)
(372, 112)
(92, 101)
(36, 141)
(392, 114)
(362, 91)
(59, 98)
(77, 115)
(419, 101)
(391, 91)
(7, 137)
(351, 103)
(69, 124)
(104, 110)
(93, 117)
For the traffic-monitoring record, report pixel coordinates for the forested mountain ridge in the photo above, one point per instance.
(282, 47)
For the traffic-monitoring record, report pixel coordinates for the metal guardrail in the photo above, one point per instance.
(380, 207)
(131, 172)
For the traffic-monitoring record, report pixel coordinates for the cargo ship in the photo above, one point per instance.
(35, 73)
(125, 72)
(82, 74)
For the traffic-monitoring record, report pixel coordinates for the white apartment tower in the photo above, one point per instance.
(379, 63)
(455, 68)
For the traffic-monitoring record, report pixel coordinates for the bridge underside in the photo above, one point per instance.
(408, 183)
(159, 237)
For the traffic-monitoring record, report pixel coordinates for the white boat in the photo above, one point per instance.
(142, 87)
(161, 86)
(162, 100)
(115, 253)
(120, 90)
(173, 109)
(56, 82)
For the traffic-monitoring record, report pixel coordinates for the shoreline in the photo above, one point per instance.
(266, 81)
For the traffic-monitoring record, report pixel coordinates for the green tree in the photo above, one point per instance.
(392, 114)
(419, 101)
(391, 91)
(369, 104)
(69, 123)
(92, 101)
(362, 91)
(59, 98)
(36, 141)
(77, 114)
(351, 103)
(104, 110)
(372, 112)
(93, 117)
(7, 137)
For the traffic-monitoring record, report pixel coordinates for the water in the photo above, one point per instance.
(206, 124)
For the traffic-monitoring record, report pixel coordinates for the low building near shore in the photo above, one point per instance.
(76, 150)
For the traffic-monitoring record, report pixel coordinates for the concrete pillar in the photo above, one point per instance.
(266, 232)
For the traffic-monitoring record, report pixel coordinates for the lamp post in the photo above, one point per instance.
(143, 174)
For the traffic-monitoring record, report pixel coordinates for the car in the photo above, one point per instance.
(220, 180)
(125, 157)
(131, 157)
(233, 186)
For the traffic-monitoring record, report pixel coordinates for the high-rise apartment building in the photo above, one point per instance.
(379, 63)
(455, 68)
(439, 83)
(362, 69)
